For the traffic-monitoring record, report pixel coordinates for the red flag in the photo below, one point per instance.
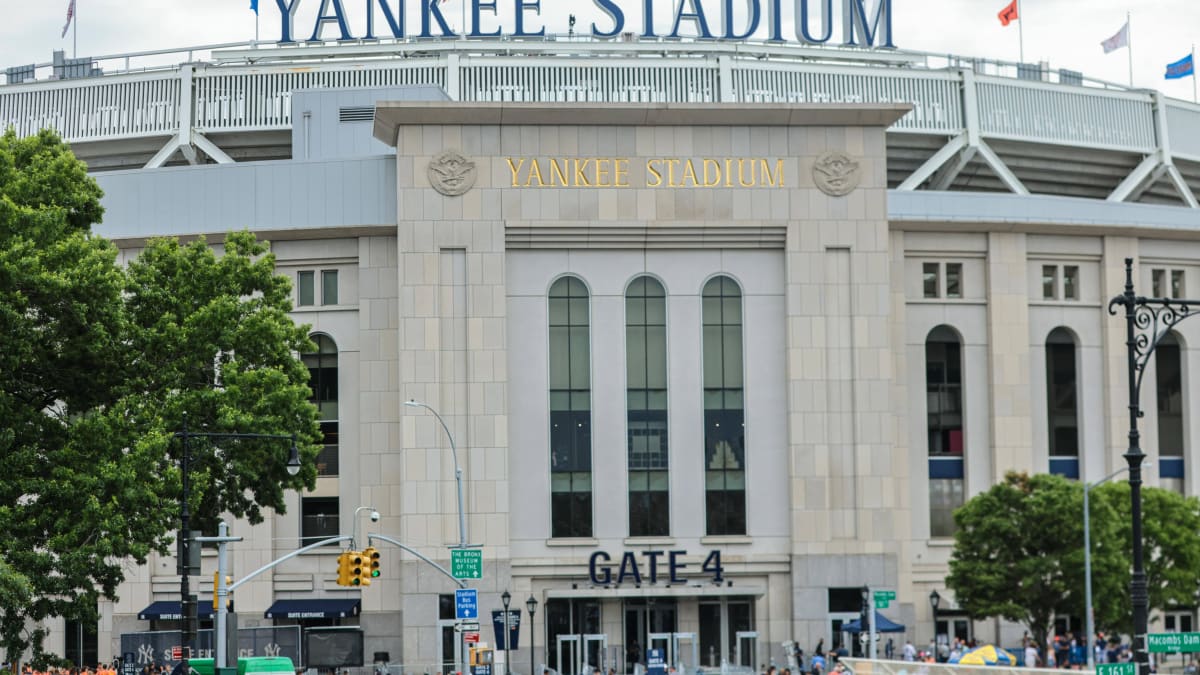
(1008, 14)
(70, 15)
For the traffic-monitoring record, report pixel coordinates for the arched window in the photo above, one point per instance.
(1168, 367)
(944, 427)
(570, 411)
(1062, 416)
(724, 414)
(319, 515)
(646, 397)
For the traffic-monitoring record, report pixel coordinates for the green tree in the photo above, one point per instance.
(99, 366)
(1018, 551)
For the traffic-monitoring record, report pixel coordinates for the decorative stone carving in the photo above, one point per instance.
(452, 174)
(836, 174)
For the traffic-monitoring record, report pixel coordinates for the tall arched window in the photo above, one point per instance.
(570, 411)
(319, 515)
(1168, 366)
(944, 427)
(724, 403)
(646, 398)
(1062, 418)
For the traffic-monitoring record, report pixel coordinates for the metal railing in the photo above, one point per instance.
(880, 667)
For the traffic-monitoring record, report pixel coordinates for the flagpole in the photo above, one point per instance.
(75, 33)
(1021, 32)
(1129, 45)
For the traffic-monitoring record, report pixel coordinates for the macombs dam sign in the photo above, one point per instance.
(863, 23)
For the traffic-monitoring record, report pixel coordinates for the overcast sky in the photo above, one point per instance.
(1067, 33)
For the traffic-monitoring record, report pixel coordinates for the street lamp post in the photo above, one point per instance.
(934, 601)
(864, 626)
(1147, 321)
(187, 604)
(458, 473)
(531, 605)
(505, 598)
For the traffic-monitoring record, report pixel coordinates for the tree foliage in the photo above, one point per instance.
(100, 366)
(1018, 552)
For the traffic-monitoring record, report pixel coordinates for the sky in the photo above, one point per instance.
(1065, 33)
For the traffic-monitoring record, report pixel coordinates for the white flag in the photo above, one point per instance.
(70, 15)
(1121, 39)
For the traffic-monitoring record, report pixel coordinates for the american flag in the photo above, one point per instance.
(70, 15)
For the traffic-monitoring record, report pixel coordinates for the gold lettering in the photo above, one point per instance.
(728, 172)
(655, 178)
(581, 179)
(534, 170)
(742, 162)
(689, 170)
(515, 169)
(671, 164)
(716, 177)
(602, 167)
(621, 169)
(560, 171)
(766, 173)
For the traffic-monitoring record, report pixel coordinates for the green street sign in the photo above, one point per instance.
(466, 563)
(881, 604)
(885, 595)
(1170, 643)
(1116, 668)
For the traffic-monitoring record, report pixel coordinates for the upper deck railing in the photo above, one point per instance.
(248, 87)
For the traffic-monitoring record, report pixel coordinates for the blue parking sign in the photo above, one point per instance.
(466, 603)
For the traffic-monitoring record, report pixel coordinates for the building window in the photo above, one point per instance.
(306, 289)
(329, 287)
(1050, 282)
(322, 367)
(570, 411)
(944, 427)
(1158, 284)
(1177, 285)
(646, 396)
(1071, 282)
(929, 279)
(1061, 401)
(724, 414)
(318, 519)
(953, 280)
(1168, 367)
(82, 644)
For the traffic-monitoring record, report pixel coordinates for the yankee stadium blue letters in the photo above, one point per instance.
(864, 23)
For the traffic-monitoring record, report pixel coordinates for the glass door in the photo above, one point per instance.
(646, 617)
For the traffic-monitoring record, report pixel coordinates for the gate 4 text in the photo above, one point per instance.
(601, 567)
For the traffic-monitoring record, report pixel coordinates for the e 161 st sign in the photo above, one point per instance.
(1168, 643)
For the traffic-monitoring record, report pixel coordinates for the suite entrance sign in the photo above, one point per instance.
(466, 563)
(1172, 643)
(862, 23)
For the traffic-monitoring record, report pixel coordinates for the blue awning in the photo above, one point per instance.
(168, 610)
(325, 608)
(882, 625)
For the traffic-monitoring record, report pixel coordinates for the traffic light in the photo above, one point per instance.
(370, 568)
(356, 568)
(228, 599)
(345, 577)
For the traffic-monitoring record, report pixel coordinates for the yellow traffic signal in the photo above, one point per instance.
(344, 576)
(356, 568)
(216, 598)
(370, 568)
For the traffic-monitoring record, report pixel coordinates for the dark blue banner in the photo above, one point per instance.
(514, 625)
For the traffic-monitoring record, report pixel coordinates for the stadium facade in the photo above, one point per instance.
(723, 330)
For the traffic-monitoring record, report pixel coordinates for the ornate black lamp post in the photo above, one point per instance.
(531, 605)
(1147, 321)
(505, 598)
(934, 601)
(187, 603)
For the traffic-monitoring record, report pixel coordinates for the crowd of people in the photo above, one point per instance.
(98, 670)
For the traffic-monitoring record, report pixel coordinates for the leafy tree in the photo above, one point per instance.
(100, 365)
(1018, 551)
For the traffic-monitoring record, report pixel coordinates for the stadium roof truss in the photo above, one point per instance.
(975, 125)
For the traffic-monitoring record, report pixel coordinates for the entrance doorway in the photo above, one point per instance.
(573, 636)
(643, 617)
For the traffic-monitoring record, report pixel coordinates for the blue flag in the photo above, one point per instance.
(1181, 68)
(254, 6)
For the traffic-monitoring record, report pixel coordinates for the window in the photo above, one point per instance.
(1061, 402)
(724, 416)
(1168, 366)
(944, 427)
(1071, 282)
(953, 280)
(318, 519)
(306, 288)
(1177, 286)
(1050, 282)
(646, 396)
(323, 379)
(1158, 284)
(570, 411)
(82, 643)
(929, 275)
